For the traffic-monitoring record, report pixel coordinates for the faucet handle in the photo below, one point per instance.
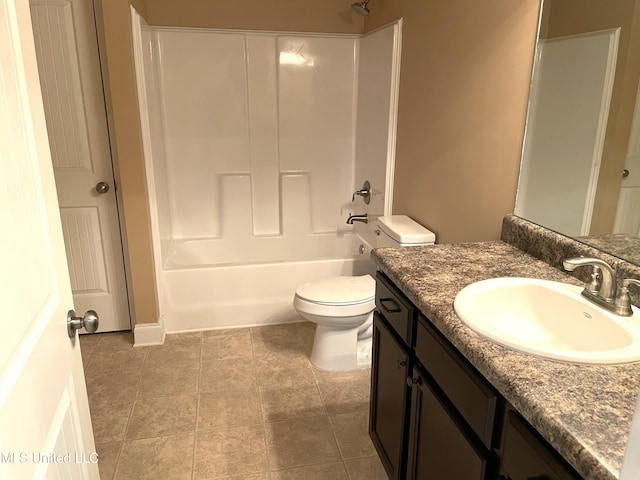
(623, 300)
(365, 193)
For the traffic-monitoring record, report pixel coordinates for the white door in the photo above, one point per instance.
(566, 126)
(68, 62)
(628, 211)
(45, 428)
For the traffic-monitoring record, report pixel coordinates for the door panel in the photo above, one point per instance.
(66, 48)
(60, 81)
(44, 413)
(81, 228)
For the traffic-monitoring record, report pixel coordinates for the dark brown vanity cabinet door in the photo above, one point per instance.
(438, 447)
(526, 456)
(389, 398)
(472, 396)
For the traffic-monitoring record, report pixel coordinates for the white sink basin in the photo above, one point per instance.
(548, 319)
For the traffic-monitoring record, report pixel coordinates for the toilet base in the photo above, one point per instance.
(340, 350)
(364, 353)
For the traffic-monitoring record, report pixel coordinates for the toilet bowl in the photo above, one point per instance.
(342, 307)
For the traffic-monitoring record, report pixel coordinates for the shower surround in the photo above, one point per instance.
(254, 143)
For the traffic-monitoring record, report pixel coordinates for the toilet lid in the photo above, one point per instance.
(338, 290)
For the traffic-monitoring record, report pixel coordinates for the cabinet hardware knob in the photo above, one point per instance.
(401, 363)
(413, 381)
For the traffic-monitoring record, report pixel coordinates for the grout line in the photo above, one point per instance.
(335, 439)
(166, 435)
(126, 429)
(195, 427)
(93, 351)
(117, 459)
(122, 443)
(346, 470)
(193, 453)
(120, 450)
(135, 397)
(254, 369)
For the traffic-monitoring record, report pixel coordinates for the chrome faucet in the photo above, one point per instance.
(598, 293)
(358, 218)
(602, 287)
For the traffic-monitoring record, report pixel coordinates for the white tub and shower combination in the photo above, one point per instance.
(254, 144)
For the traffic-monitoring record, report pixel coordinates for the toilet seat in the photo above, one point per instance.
(337, 311)
(338, 291)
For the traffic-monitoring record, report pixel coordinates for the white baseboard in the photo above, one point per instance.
(146, 334)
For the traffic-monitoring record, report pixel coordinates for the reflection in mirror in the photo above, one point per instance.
(580, 171)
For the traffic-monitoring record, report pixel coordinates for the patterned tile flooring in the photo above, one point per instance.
(243, 404)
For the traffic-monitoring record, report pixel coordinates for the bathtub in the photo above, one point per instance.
(207, 284)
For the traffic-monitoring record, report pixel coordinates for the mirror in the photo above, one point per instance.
(580, 170)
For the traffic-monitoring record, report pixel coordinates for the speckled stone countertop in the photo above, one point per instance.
(583, 411)
(618, 244)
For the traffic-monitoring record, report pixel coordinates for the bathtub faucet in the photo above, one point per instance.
(358, 218)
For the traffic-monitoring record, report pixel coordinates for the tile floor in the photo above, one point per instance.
(242, 404)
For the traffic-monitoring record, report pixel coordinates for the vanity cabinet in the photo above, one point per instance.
(434, 416)
(390, 394)
(526, 456)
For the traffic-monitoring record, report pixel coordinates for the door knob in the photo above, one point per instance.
(625, 173)
(90, 322)
(413, 381)
(102, 187)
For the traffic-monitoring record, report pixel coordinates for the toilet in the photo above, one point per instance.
(342, 307)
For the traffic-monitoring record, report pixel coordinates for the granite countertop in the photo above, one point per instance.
(583, 411)
(619, 244)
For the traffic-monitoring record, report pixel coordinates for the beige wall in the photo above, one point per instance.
(571, 17)
(140, 6)
(114, 28)
(464, 86)
(328, 16)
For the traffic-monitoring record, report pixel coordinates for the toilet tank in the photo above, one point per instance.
(402, 231)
